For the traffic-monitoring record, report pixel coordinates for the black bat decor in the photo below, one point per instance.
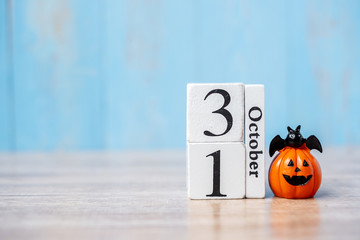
(294, 139)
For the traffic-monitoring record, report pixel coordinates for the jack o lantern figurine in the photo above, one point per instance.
(294, 172)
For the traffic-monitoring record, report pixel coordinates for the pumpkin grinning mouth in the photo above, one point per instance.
(297, 180)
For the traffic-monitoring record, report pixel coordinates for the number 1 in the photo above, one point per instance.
(216, 175)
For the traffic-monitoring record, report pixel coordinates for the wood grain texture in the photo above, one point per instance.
(142, 195)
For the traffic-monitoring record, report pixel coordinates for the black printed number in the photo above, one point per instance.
(216, 175)
(222, 111)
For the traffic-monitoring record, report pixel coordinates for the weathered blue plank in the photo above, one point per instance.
(302, 92)
(4, 134)
(270, 43)
(56, 75)
(149, 60)
(244, 41)
(6, 90)
(112, 74)
(323, 69)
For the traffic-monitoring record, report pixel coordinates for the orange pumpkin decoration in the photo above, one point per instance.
(294, 172)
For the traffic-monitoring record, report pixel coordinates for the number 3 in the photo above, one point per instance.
(222, 111)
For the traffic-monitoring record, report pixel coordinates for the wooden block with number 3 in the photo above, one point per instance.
(215, 112)
(216, 170)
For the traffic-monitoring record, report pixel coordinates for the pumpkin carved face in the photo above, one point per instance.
(295, 173)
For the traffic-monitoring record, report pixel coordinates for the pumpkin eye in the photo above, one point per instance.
(291, 163)
(305, 164)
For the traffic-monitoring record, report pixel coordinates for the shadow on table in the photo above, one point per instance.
(219, 219)
(294, 218)
(253, 218)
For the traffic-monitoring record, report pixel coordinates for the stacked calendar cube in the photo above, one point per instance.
(220, 165)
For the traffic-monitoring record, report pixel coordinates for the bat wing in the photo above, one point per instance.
(313, 143)
(276, 144)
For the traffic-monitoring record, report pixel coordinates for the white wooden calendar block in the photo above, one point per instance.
(215, 112)
(216, 170)
(255, 140)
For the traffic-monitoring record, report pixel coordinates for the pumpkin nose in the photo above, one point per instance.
(297, 169)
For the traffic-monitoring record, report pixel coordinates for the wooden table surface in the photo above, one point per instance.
(142, 195)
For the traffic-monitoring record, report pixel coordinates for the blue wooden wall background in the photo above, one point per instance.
(110, 74)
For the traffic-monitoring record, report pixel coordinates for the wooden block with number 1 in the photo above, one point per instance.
(216, 170)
